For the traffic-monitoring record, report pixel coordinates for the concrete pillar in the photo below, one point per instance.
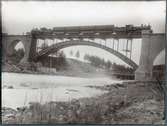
(27, 45)
(144, 71)
(32, 47)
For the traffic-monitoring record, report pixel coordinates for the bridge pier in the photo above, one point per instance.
(145, 66)
(152, 45)
(27, 46)
(32, 49)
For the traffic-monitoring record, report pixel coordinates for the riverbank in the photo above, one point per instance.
(124, 103)
(74, 68)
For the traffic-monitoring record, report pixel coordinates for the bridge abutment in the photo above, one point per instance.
(10, 41)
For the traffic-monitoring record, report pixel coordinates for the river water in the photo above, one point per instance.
(21, 89)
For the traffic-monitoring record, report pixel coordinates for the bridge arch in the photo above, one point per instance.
(16, 50)
(10, 41)
(160, 58)
(61, 45)
(11, 46)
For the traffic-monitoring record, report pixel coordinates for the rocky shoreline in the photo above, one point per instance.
(127, 103)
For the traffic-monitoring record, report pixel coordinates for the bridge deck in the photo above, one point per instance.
(101, 31)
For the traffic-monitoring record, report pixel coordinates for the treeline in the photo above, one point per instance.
(121, 68)
(101, 63)
(97, 61)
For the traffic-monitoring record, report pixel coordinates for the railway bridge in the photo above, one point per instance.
(152, 43)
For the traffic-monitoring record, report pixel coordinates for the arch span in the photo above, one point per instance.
(65, 44)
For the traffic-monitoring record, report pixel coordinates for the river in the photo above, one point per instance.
(20, 89)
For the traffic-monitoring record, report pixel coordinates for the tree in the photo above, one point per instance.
(20, 53)
(71, 53)
(86, 57)
(77, 54)
(61, 61)
(61, 54)
(108, 64)
(17, 55)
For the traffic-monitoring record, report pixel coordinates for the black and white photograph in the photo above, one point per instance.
(83, 62)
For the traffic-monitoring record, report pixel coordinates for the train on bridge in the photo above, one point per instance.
(129, 31)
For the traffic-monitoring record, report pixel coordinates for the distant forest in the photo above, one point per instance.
(111, 66)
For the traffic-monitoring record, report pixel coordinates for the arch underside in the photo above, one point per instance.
(159, 56)
(65, 44)
(12, 45)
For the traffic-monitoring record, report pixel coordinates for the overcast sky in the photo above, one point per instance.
(19, 17)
